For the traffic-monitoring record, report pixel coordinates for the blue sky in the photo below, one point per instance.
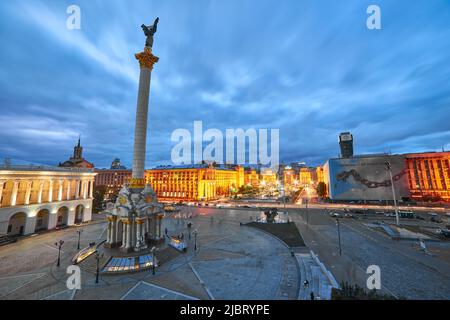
(310, 68)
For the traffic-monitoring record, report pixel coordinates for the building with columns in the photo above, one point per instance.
(36, 198)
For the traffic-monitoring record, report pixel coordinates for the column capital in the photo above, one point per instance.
(146, 58)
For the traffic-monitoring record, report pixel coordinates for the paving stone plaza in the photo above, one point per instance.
(232, 262)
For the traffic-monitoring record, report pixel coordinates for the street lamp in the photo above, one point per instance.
(339, 235)
(59, 245)
(195, 239)
(98, 256)
(153, 250)
(189, 226)
(307, 211)
(389, 169)
(79, 231)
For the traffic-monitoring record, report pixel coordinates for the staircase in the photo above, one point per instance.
(320, 280)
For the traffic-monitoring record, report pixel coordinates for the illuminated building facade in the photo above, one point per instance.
(268, 177)
(429, 176)
(195, 182)
(251, 178)
(307, 176)
(36, 198)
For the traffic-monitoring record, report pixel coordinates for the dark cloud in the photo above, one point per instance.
(309, 68)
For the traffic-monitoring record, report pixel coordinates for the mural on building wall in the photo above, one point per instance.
(365, 178)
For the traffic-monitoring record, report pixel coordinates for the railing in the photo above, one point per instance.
(42, 168)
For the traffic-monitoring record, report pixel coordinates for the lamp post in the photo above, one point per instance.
(98, 256)
(79, 231)
(59, 245)
(389, 169)
(307, 211)
(195, 239)
(153, 250)
(339, 235)
(189, 226)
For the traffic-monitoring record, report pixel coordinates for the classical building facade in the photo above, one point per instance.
(429, 176)
(35, 198)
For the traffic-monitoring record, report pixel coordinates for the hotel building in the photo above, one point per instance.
(195, 182)
(429, 176)
(36, 198)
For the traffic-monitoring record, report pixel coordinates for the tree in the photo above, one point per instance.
(321, 189)
(99, 197)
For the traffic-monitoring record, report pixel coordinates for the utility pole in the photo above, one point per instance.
(389, 169)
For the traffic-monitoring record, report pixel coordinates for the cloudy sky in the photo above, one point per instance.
(310, 68)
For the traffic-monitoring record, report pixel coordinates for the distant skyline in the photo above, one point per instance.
(308, 68)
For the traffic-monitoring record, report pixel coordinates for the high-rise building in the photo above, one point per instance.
(346, 144)
(429, 175)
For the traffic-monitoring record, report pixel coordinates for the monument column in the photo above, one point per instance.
(146, 62)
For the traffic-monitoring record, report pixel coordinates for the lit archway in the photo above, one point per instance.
(79, 214)
(42, 220)
(16, 225)
(62, 216)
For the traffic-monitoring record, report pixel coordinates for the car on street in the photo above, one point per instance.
(348, 215)
(335, 215)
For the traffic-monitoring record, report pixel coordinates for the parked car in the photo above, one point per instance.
(436, 218)
(348, 215)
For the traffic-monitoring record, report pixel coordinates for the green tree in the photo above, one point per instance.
(321, 189)
(99, 196)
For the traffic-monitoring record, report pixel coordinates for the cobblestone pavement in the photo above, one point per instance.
(406, 272)
(232, 262)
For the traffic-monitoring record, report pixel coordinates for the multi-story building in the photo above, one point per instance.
(194, 182)
(307, 176)
(251, 177)
(268, 177)
(35, 198)
(429, 175)
(346, 144)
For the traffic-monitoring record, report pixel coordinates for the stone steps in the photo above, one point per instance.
(319, 282)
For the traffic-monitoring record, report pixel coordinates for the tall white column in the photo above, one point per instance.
(60, 190)
(128, 245)
(28, 192)
(14, 193)
(124, 234)
(50, 191)
(85, 182)
(91, 189)
(146, 62)
(41, 189)
(77, 190)
(69, 182)
(2, 185)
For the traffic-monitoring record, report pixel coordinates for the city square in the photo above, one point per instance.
(205, 170)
